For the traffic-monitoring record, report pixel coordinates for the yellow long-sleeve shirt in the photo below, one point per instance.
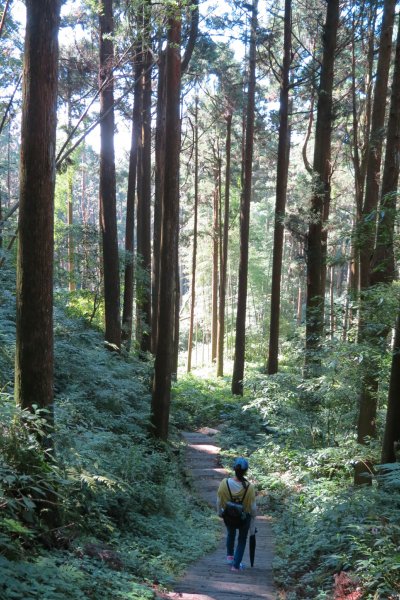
(238, 492)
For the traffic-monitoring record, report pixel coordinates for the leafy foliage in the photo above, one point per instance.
(123, 511)
(302, 459)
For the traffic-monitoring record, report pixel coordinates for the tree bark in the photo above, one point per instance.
(158, 195)
(240, 340)
(367, 229)
(177, 305)
(107, 185)
(34, 292)
(143, 286)
(215, 259)
(224, 252)
(321, 195)
(70, 223)
(129, 273)
(383, 269)
(194, 251)
(163, 359)
(391, 438)
(281, 189)
(368, 399)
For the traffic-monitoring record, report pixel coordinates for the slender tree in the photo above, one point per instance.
(366, 426)
(143, 287)
(321, 193)
(34, 292)
(107, 185)
(159, 168)
(383, 272)
(163, 358)
(127, 311)
(240, 340)
(366, 234)
(383, 269)
(281, 188)
(215, 254)
(391, 438)
(224, 250)
(195, 219)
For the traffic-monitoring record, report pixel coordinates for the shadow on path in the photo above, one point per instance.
(210, 578)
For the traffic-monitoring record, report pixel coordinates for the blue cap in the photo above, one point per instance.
(242, 463)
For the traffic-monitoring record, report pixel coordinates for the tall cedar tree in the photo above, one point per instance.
(163, 357)
(193, 16)
(366, 427)
(359, 133)
(366, 234)
(240, 340)
(159, 169)
(224, 249)
(391, 438)
(193, 10)
(107, 184)
(321, 194)
(127, 311)
(383, 268)
(281, 188)
(70, 186)
(143, 286)
(383, 263)
(34, 293)
(195, 219)
(215, 253)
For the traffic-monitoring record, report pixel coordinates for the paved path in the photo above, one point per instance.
(211, 578)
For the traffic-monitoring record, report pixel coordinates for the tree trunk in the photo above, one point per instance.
(158, 195)
(195, 216)
(34, 292)
(215, 260)
(224, 252)
(391, 438)
(366, 426)
(332, 324)
(70, 192)
(281, 188)
(127, 312)
(70, 222)
(107, 185)
(143, 286)
(163, 359)
(383, 267)
(321, 195)
(240, 341)
(177, 305)
(367, 229)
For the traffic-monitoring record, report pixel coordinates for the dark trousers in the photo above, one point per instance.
(241, 542)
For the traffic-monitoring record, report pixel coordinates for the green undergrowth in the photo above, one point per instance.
(109, 514)
(302, 460)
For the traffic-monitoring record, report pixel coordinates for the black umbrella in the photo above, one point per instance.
(252, 547)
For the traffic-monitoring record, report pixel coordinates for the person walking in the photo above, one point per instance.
(236, 504)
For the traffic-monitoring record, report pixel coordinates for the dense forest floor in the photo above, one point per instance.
(127, 523)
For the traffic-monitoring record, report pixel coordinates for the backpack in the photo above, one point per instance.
(234, 514)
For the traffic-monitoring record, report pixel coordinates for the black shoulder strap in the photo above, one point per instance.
(229, 490)
(230, 493)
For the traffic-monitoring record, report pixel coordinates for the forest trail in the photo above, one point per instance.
(210, 578)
